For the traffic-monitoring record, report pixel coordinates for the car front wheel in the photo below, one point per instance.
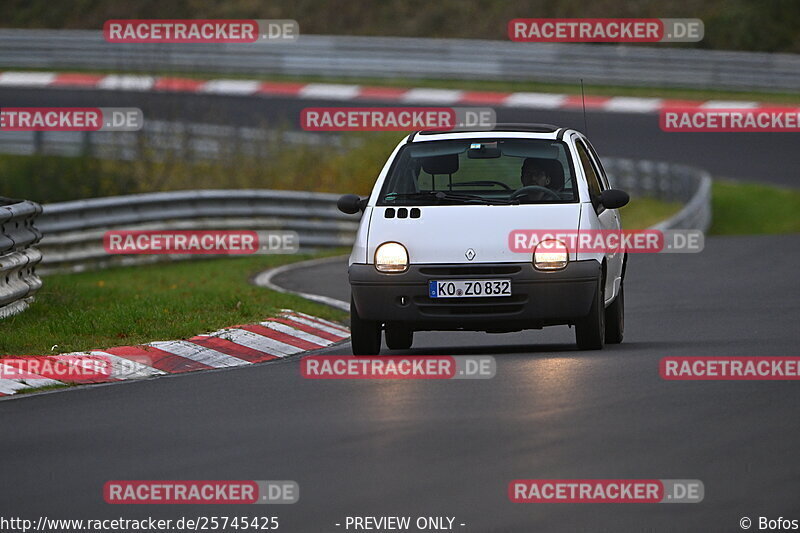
(365, 335)
(590, 331)
(615, 319)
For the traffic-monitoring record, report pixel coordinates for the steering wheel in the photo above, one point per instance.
(544, 192)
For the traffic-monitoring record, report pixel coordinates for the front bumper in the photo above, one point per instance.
(537, 298)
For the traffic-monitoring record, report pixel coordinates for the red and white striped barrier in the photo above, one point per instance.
(343, 92)
(289, 333)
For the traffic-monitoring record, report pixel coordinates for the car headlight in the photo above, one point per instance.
(391, 257)
(550, 254)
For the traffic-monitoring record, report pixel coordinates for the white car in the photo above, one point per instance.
(433, 252)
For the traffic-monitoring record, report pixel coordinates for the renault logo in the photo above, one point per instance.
(470, 253)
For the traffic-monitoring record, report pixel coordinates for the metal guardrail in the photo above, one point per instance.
(396, 57)
(73, 231)
(669, 182)
(18, 259)
(163, 140)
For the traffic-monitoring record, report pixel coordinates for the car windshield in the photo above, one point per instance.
(480, 171)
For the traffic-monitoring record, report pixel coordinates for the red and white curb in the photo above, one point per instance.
(289, 333)
(344, 92)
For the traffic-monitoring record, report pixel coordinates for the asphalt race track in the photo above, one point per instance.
(768, 157)
(450, 448)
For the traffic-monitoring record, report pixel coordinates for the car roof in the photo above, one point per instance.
(511, 130)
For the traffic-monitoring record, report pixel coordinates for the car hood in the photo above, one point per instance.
(445, 234)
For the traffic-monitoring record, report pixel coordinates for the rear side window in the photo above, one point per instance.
(588, 168)
(596, 159)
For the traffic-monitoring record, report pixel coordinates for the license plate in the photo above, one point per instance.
(469, 288)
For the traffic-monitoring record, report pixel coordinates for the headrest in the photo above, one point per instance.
(440, 164)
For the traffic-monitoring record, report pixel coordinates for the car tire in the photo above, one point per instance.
(399, 337)
(365, 335)
(590, 331)
(615, 318)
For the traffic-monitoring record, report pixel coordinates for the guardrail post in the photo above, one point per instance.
(18, 257)
(38, 142)
(86, 144)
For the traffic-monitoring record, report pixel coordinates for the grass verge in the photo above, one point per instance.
(752, 208)
(126, 306)
(642, 213)
(46, 388)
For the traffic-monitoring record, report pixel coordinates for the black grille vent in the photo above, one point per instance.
(402, 212)
(470, 306)
(470, 270)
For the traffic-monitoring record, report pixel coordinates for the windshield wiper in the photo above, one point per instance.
(449, 196)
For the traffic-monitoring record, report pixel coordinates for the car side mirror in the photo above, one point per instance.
(614, 198)
(351, 204)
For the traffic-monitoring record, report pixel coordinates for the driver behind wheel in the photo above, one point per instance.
(539, 172)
